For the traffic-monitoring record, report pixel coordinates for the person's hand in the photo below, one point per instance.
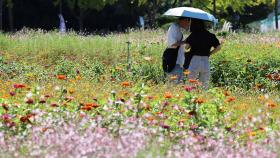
(179, 43)
(222, 41)
(215, 50)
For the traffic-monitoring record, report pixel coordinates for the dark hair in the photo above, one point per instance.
(197, 25)
(184, 18)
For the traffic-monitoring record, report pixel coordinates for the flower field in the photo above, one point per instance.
(81, 96)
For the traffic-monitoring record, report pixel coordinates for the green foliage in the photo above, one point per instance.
(89, 4)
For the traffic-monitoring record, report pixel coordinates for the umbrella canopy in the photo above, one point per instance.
(191, 13)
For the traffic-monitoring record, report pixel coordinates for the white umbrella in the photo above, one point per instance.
(191, 13)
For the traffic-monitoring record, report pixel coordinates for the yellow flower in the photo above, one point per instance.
(262, 98)
(252, 134)
(71, 91)
(186, 72)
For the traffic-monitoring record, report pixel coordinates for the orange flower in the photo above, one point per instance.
(250, 117)
(89, 106)
(230, 99)
(186, 72)
(167, 95)
(78, 77)
(44, 130)
(94, 105)
(193, 81)
(271, 104)
(61, 77)
(4, 96)
(125, 84)
(199, 100)
(182, 120)
(86, 108)
(226, 93)
(158, 113)
(258, 86)
(173, 77)
(150, 118)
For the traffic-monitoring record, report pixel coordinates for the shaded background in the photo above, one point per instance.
(117, 17)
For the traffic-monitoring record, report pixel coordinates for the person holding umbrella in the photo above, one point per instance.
(201, 42)
(173, 57)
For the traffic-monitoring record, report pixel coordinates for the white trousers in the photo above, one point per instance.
(200, 69)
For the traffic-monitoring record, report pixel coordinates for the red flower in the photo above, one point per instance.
(42, 101)
(54, 105)
(12, 93)
(29, 101)
(6, 117)
(17, 86)
(193, 126)
(25, 119)
(189, 88)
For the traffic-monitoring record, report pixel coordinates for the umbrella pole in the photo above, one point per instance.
(189, 29)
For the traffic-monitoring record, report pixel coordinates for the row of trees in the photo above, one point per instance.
(152, 9)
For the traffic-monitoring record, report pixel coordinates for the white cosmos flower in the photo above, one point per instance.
(29, 95)
(56, 88)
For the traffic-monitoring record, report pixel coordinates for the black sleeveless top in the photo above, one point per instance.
(201, 42)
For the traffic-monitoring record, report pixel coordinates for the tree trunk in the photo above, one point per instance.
(11, 18)
(81, 20)
(276, 14)
(214, 8)
(191, 3)
(1, 15)
(174, 3)
(153, 13)
(60, 7)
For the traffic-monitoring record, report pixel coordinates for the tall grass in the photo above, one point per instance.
(242, 55)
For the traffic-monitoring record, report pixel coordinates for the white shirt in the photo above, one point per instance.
(174, 34)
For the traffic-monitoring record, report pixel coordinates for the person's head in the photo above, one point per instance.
(197, 25)
(184, 22)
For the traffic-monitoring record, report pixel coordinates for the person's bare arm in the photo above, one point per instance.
(187, 46)
(215, 50)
